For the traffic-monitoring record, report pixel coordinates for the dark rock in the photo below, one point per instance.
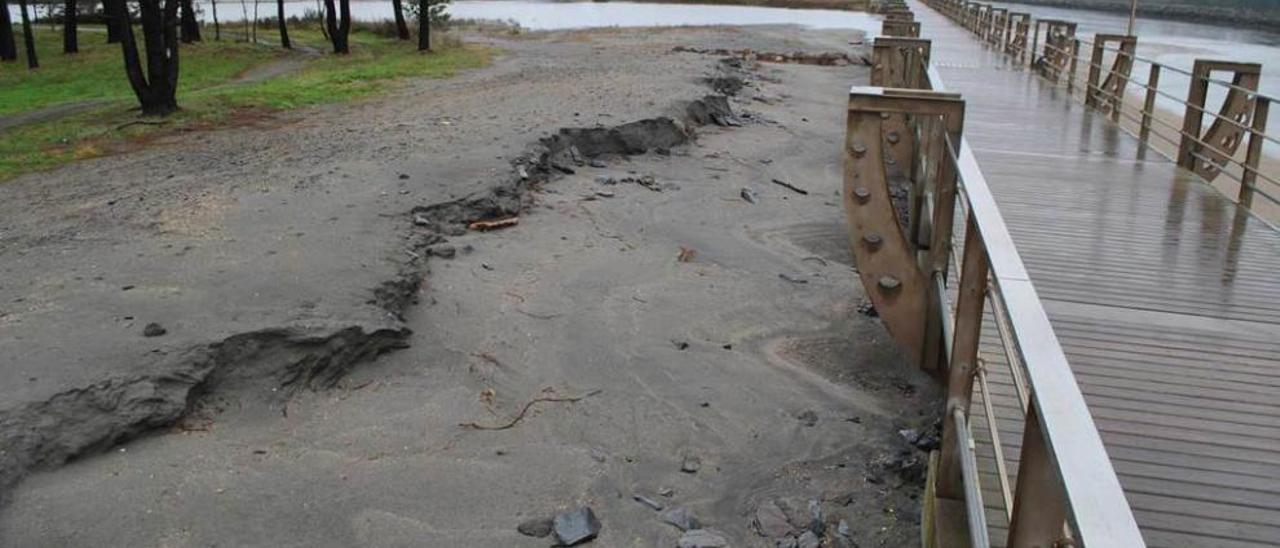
(793, 279)
(712, 109)
(576, 526)
(702, 538)
(726, 85)
(631, 138)
(404, 176)
(690, 465)
(921, 439)
(153, 330)
(680, 517)
(749, 195)
(535, 527)
(808, 418)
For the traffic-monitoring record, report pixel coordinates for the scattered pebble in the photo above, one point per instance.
(681, 518)
(576, 526)
(793, 279)
(691, 465)
(652, 504)
(749, 195)
(808, 418)
(771, 522)
(153, 330)
(808, 540)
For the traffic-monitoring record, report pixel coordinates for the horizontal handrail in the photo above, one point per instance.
(1231, 158)
(1099, 511)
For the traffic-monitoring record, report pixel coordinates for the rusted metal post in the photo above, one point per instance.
(939, 255)
(1071, 72)
(1253, 155)
(898, 285)
(964, 355)
(1035, 40)
(1193, 116)
(1039, 504)
(1207, 152)
(1149, 104)
(1095, 73)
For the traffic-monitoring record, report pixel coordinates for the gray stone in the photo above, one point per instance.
(843, 529)
(703, 538)
(786, 542)
(771, 521)
(808, 540)
(750, 195)
(680, 517)
(808, 418)
(535, 527)
(154, 330)
(576, 526)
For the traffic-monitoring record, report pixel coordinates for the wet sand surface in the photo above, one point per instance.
(677, 341)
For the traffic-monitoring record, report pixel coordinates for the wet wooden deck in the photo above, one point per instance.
(1165, 295)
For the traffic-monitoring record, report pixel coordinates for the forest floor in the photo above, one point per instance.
(286, 334)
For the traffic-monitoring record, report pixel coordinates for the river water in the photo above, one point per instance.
(536, 15)
(1178, 44)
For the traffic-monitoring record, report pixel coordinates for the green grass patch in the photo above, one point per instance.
(209, 94)
(97, 71)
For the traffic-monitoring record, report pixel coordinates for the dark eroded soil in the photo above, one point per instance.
(278, 260)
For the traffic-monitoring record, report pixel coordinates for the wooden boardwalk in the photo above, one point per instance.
(1164, 294)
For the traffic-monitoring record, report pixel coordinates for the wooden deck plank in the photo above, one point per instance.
(1164, 295)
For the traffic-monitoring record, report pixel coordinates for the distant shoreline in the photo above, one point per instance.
(844, 5)
(1213, 15)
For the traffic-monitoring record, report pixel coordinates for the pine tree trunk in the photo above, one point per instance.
(113, 30)
(284, 29)
(28, 39)
(402, 30)
(157, 88)
(424, 25)
(338, 25)
(8, 48)
(190, 26)
(70, 22)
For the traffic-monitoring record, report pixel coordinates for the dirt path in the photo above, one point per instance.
(259, 250)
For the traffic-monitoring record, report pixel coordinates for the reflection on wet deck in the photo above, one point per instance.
(1164, 293)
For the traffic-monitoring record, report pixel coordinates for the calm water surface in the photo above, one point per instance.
(536, 15)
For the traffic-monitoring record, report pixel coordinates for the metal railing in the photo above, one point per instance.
(909, 130)
(1232, 147)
